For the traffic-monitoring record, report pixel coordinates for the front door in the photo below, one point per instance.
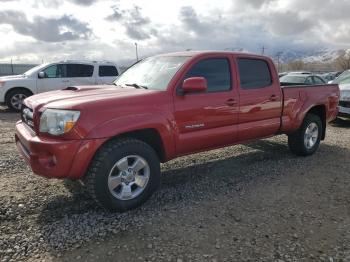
(55, 78)
(209, 119)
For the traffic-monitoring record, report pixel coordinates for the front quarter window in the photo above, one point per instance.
(154, 72)
(55, 71)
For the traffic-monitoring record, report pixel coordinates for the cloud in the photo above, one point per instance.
(293, 26)
(256, 3)
(58, 3)
(289, 23)
(188, 16)
(117, 14)
(137, 26)
(83, 2)
(65, 28)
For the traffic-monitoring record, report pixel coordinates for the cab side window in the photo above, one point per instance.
(318, 81)
(254, 73)
(107, 71)
(216, 71)
(80, 70)
(309, 80)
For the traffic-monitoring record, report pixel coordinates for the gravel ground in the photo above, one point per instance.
(242, 203)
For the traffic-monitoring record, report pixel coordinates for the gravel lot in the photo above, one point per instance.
(242, 203)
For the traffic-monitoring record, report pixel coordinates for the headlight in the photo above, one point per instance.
(2, 83)
(57, 122)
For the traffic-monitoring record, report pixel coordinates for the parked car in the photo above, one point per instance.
(300, 72)
(282, 74)
(54, 76)
(330, 76)
(343, 78)
(301, 79)
(344, 85)
(161, 108)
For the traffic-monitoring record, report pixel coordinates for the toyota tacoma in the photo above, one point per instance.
(113, 138)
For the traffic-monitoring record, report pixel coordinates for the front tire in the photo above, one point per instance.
(14, 99)
(123, 174)
(306, 140)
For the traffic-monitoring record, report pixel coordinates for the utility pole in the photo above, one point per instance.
(278, 55)
(263, 50)
(12, 67)
(137, 54)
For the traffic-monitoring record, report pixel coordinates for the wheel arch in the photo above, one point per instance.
(150, 136)
(17, 88)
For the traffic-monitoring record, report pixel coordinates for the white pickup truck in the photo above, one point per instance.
(54, 76)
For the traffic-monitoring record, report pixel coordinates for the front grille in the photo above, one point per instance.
(344, 103)
(27, 116)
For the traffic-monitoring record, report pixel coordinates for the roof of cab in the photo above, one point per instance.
(209, 52)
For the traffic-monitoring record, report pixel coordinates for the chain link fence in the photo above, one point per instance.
(11, 68)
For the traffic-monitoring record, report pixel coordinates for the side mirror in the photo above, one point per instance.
(194, 84)
(41, 74)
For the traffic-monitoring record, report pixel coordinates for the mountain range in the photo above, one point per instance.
(317, 56)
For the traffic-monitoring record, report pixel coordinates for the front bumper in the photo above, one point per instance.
(55, 158)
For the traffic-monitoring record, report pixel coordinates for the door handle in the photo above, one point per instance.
(65, 81)
(273, 98)
(231, 102)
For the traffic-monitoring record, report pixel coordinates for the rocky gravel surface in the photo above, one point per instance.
(256, 202)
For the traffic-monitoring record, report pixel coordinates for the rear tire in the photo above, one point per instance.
(123, 174)
(15, 97)
(306, 140)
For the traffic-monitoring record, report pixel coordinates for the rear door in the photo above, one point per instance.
(107, 74)
(80, 74)
(260, 98)
(208, 119)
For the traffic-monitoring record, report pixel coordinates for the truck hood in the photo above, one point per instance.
(77, 97)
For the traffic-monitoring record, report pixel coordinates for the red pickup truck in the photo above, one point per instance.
(114, 137)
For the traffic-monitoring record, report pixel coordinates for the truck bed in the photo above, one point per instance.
(297, 100)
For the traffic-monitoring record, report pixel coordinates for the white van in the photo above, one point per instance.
(54, 76)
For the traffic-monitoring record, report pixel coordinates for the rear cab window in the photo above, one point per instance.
(254, 73)
(107, 70)
(216, 71)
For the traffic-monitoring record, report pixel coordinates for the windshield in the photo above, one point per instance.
(292, 79)
(344, 78)
(152, 73)
(34, 69)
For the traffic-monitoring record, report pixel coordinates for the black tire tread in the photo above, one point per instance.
(296, 140)
(11, 93)
(103, 152)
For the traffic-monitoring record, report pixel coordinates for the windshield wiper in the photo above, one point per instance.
(117, 85)
(137, 86)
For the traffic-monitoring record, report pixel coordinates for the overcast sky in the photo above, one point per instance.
(36, 30)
